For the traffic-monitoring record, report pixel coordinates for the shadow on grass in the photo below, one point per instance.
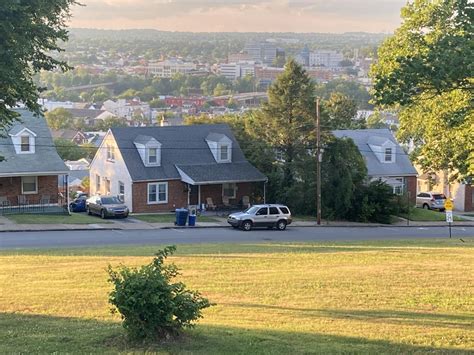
(462, 321)
(45, 334)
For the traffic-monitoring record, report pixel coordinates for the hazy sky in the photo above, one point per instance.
(241, 15)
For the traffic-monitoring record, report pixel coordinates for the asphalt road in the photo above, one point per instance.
(48, 239)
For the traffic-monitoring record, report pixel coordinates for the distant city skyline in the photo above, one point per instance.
(334, 16)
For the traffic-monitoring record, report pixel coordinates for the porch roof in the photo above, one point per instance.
(219, 173)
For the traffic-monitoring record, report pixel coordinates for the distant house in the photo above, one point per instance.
(162, 168)
(69, 134)
(384, 158)
(90, 117)
(31, 167)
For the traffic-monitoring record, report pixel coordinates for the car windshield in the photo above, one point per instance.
(110, 200)
(439, 197)
(251, 210)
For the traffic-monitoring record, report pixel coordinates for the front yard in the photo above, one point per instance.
(273, 298)
(74, 218)
(420, 214)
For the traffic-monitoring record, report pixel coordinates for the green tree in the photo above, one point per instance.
(29, 32)
(59, 118)
(100, 94)
(68, 150)
(427, 71)
(375, 120)
(110, 122)
(341, 113)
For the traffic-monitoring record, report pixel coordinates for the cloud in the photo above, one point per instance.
(241, 15)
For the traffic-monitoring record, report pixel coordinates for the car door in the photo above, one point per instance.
(273, 216)
(261, 217)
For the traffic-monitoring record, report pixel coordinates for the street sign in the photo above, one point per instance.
(448, 205)
(449, 216)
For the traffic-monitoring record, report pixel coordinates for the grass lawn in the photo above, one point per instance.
(74, 218)
(354, 297)
(167, 218)
(420, 214)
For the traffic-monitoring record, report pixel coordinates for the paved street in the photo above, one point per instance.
(49, 239)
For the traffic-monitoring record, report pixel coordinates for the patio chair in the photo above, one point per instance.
(4, 201)
(45, 199)
(22, 202)
(210, 204)
(225, 201)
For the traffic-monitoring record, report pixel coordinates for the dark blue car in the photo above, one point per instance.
(79, 204)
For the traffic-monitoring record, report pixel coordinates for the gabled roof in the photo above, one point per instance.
(16, 130)
(44, 160)
(185, 147)
(363, 137)
(215, 137)
(144, 140)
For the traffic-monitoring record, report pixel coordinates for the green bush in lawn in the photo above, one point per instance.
(151, 305)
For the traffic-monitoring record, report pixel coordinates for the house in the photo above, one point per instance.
(72, 135)
(162, 168)
(31, 167)
(90, 117)
(462, 193)
(384, 158)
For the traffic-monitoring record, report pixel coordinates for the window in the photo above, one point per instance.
(262, 211)
(25, 143)
(29, 185)
(229, 190)
(110, 153)
(274, 210)
(152, 156)
(284, 210)
(121, 188)
(224, 152)
(388, 154)
(107, 186)
(97, 183)
(158, 192)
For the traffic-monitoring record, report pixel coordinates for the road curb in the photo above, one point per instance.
(59, 230)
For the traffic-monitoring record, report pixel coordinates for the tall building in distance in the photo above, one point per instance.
(303, 57)
(325, 58)
(170, 67)
(263, 52)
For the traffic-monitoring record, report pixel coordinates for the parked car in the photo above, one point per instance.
(79, 204)
(269, 216)
(431, 200)
(106, 206)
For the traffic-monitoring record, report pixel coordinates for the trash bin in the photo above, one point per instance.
(192, 220)
(181, 216)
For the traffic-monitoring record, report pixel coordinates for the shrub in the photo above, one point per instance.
(151, 305)
(373, 203)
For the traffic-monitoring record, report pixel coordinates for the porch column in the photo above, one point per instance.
(199, 197)
(189, 194)
(264, 192)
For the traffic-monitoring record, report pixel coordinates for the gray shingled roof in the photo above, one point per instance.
(361, 137)
(184, 146)
(44, 160)
(141, 139)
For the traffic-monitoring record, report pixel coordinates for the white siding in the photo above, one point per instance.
(114, 171)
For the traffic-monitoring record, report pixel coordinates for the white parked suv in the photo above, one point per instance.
(431, 200)
(269, 216)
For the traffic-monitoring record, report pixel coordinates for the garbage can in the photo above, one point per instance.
(181, 216)
(192, 220)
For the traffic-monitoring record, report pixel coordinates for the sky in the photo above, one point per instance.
(334, 16)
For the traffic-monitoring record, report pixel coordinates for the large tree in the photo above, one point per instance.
(427, 71)
(29, 32)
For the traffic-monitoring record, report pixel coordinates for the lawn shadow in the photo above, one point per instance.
(46, 334)
(377, 316)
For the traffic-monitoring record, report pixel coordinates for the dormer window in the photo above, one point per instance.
(220, 146)
(152, 155)
(388, 155)
(224, 152)
(25, 144)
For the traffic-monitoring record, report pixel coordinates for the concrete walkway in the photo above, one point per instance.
(133, 224)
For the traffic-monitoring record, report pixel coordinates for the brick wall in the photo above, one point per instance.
(411, 188)
(47, 185)
(468, 198)
(177, 197)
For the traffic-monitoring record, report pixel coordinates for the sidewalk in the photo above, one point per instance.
(133, 224)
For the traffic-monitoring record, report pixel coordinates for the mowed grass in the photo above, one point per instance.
(358, 297)
(168, 218)
(74, 218)
(420, 214)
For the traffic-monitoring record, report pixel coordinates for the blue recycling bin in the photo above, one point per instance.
(192, 220)
(181, 216)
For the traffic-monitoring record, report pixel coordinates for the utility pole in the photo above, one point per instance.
(318, 163)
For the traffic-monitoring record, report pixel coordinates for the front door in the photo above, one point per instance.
(193, 195)
(261, 217)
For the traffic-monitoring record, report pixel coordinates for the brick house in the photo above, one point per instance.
(385, 159)
(31, 167)
(157, 169)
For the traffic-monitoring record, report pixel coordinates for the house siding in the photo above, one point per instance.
(10, 187)
(177, 197)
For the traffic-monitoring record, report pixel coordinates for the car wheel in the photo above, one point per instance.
(247, 225)
(89, 211)
(281, 225)
(102, 214)
(426, 207)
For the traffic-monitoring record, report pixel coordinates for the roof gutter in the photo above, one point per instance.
(34, 173)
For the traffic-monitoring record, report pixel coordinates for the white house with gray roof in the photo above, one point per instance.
(30, 166)
(384, 158)
(163, 168)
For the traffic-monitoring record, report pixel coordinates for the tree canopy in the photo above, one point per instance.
(427, 71)
(29, 33)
